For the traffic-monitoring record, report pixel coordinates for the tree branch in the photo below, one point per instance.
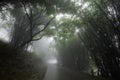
(37, 38)
(29, 17)
(44, 27)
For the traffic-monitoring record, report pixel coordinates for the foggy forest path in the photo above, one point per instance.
(55, 72)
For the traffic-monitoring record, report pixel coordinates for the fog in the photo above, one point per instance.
(45, 48)
(4, 34)
(60, 40)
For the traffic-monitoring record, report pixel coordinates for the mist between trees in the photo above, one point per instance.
(86, 34)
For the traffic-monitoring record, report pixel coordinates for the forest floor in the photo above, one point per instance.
(55, 72)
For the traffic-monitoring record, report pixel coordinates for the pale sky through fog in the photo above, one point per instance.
(4, 34)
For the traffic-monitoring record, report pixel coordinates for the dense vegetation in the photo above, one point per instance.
(87, 35)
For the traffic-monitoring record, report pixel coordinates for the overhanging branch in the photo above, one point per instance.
(37, 38)
(29, 16)
(44, 27)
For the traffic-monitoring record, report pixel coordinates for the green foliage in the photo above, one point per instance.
(90, 29)
(101, 30)
(98, 31)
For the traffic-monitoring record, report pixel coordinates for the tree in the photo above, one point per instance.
(103, 33)
(31, 19)
(71, 51)
(98, 26)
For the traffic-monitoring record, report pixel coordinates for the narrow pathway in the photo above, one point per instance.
(52, 72)
(58, 73)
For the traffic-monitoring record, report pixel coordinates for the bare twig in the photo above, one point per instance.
(29, 17)
(37, 38)
(44, 27)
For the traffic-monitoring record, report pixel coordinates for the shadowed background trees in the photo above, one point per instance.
(104, 39)
(96, 25)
